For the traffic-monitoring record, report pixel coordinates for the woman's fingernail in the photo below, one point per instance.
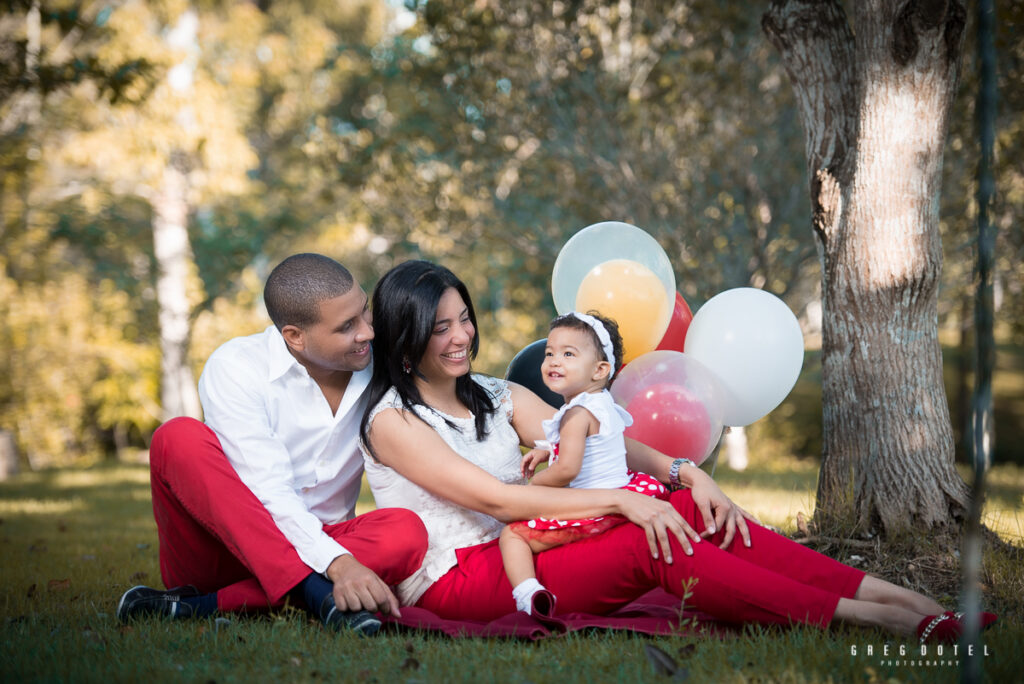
(711, 529)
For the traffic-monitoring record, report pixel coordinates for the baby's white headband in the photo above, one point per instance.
(602, 335)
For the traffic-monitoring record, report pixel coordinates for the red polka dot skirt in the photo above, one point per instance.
(556, 532)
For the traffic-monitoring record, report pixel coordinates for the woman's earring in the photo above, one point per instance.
(406, 366)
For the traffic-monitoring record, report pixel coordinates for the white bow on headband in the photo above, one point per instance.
(602, 335)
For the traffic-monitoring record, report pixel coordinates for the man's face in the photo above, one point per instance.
(340, 340)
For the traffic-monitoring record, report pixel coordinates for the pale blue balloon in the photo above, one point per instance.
(601, 242)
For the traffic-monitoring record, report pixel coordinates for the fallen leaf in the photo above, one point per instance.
(801, 525)
(297, 662)
(58, 585)
(662, 662)
(94, 637)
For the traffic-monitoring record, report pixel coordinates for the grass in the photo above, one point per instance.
(71, 542)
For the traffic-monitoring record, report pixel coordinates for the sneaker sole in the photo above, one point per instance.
(120, 604)
(366, 627)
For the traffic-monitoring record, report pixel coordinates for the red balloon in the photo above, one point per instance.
(670, 419)
(675, 335)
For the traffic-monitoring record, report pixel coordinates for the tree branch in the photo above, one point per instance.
(816, 45)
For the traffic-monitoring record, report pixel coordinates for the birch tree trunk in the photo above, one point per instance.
(171, 249)
(874, 102)
(178, 394)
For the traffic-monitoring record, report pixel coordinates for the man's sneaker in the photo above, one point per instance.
(362, 622)
(142, 601)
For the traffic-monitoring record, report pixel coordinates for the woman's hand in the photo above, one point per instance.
(718, 510)
(659, 519)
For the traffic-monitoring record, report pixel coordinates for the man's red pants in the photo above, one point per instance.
(215, 534)
(776, 580)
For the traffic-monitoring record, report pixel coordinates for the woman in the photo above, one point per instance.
(445, 443)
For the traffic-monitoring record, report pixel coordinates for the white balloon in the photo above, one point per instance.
(751, 340)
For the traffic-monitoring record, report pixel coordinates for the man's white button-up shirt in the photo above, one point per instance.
(277, 430)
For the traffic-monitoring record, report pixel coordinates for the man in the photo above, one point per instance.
(259, 502)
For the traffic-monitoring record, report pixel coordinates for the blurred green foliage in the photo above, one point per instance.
(480, 134)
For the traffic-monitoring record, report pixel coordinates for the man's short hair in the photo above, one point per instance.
(298, 284)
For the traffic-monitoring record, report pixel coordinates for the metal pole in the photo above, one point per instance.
(981, 404)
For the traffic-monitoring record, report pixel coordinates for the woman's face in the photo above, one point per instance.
(447, 354)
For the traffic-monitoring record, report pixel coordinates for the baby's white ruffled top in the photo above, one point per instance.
(604, 462)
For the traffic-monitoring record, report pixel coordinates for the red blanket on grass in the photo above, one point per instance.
(656, 612)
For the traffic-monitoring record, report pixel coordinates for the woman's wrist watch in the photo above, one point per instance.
(673, 472)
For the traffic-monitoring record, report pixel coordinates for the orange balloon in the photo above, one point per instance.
(634, 296)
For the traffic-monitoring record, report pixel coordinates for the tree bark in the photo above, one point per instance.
(874, 103)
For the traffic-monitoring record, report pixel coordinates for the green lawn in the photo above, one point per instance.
(71, 542)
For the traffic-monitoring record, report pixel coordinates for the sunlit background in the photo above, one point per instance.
(210, 139)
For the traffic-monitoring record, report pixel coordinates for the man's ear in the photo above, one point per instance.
(294, 337)
(603, 369)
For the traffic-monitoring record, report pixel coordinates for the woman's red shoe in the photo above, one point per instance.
(939, 629)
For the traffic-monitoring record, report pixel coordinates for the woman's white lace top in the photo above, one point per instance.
(449, 526)
(604, 456)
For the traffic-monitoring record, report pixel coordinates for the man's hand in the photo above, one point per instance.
(356, 587)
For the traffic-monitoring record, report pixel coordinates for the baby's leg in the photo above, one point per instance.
(517, 556)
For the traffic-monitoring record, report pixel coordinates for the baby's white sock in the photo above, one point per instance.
(523, 594)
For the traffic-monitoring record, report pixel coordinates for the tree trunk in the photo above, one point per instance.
(874, 103)
(737, 452)
(8, 455)
(178, 393)
(173, 257)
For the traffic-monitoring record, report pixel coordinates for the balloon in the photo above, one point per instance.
(676, 404)
(603, 242)
(524, 369)
(632, 294)
(678, 324)
(751, 340)
(671, 420)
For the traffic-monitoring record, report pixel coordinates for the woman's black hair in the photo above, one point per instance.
(570, 321)
(404, 309)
